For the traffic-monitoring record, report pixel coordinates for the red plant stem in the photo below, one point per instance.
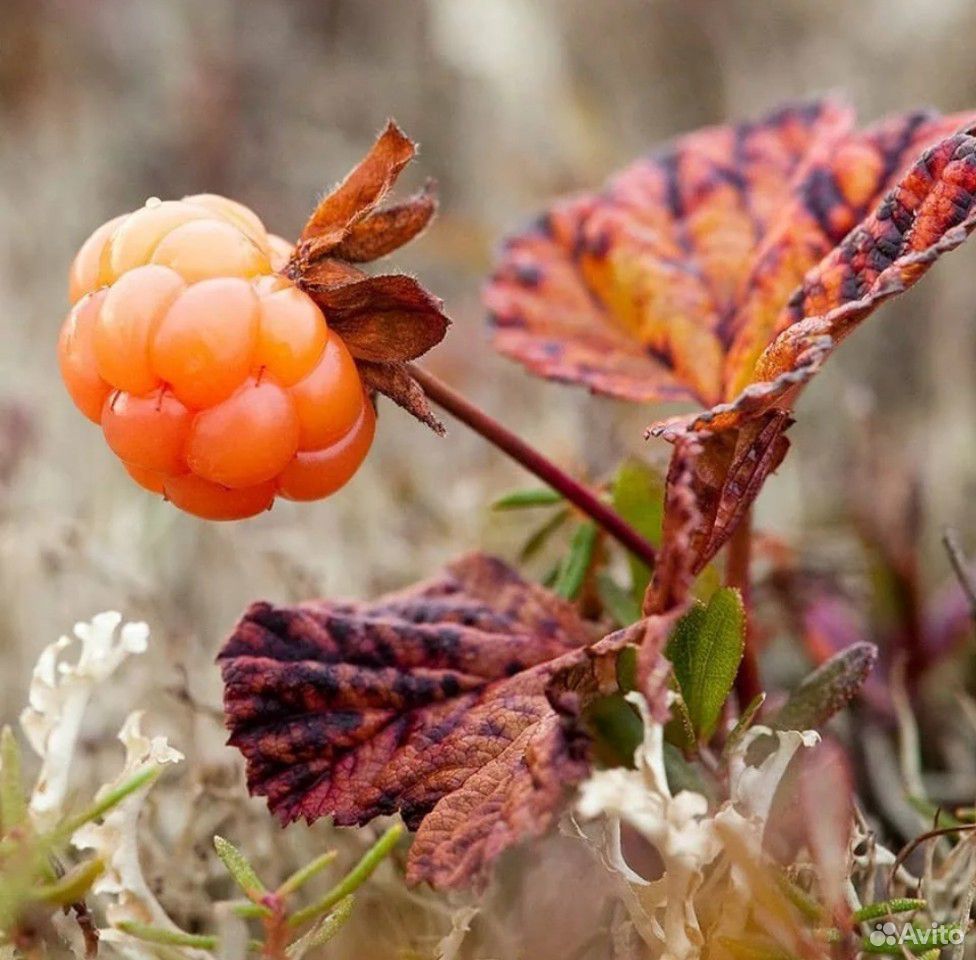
(748, 684)
(488, 427)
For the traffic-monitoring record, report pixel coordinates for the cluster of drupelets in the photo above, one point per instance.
(215, 379)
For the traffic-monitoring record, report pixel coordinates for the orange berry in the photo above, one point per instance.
(291, 335)
(245, 440)
(311, 476)
(244, 218)
(214, 502)
(137, 238)
(149, 432)
(147, 479)
(204, 345)
(216, 381)
(85, 273)
(76, 357)
(202, 249)
(133, 307)
(330, 399)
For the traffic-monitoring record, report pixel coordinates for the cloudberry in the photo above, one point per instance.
(216, 381)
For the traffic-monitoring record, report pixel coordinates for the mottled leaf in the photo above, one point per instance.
(432, 703)
(725, 268)
(930, 210)
(672, 281)
(631, 291)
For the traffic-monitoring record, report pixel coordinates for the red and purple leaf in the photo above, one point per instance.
(432, 703)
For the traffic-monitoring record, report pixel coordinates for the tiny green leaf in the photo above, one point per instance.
(887, 908)
(520, 499)
(240, 869)
(73, 886)
(617, 601)
(301, 876)
(323, 931)
(13, 799)
(64, 830)
(169, 938)
(743, 723)
(681, 774)
(616, 729)
(251, 911)
(827, 690)
(356, 877)
(706, 648)
(638, 496)
(572, 572)
(540, 536)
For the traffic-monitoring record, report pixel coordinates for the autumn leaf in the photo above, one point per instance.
(384, 320)
(433, 703)
(726, 268)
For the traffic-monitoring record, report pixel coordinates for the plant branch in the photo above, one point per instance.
(748, 684)
(960, 566)
(584, 499)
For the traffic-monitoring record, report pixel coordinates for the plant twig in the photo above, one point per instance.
(960, 566)
(748, 684)
(533, 461)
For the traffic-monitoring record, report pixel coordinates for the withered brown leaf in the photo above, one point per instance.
(431, 702)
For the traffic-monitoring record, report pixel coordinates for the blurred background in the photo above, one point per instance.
(104, 103)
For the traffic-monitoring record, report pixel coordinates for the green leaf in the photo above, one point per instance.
(13, 799)
(356, 877)
(170, 938)
(64, 830)
(73, 886)
(638, 496)
(827, 690)
(617, 601)
(706, 648)
(520, 499)
(301, 876)
(743, 723)
(572, 572)
(323, 931)
(240, 869)
(680, 730)
(540, 536)
(887, 908)
(683, 775)
(616, 730)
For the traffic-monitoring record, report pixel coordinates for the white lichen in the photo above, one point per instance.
(706, 890)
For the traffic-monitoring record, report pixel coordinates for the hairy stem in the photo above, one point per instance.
(748, 684)
(533, 461)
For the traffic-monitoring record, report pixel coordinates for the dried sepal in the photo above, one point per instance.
(384, 320)
(395, 381)
(357, 196)
(388, 229)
